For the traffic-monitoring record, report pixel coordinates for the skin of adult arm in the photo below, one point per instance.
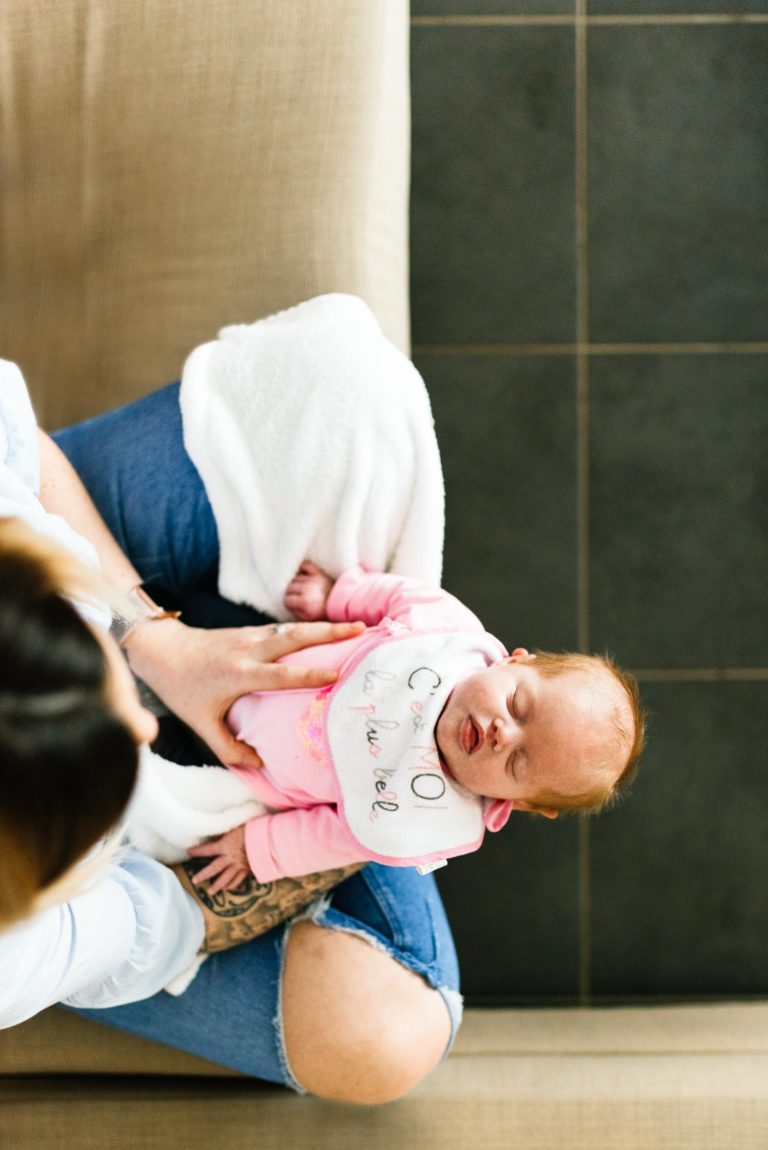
(232, 917)
(198, 674)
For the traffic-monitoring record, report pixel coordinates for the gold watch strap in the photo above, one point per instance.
(139, 607)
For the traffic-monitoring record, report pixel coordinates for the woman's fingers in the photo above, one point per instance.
(199, 674)
(228, 749)
(294, 636)
(294, 678)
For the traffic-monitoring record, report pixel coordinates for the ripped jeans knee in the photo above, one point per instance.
(399, 913)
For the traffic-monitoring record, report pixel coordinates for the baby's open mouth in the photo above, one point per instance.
(470, 735)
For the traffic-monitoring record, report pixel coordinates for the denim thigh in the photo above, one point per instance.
(136, 469)
(230, 1013)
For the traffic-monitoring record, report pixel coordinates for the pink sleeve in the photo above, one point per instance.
(298, 842)
(372, 596)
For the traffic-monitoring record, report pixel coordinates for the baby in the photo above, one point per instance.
(431, 735)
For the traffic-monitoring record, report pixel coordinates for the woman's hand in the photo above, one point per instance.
(198, 674)
(229, 867)
(308, 591)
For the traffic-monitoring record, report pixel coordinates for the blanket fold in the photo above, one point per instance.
(314, 438)
(175, 807)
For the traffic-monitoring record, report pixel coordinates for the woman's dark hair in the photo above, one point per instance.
(67, 762)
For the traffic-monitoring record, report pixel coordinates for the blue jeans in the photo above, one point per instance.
(134, 465)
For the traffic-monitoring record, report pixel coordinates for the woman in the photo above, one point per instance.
(356, 1002)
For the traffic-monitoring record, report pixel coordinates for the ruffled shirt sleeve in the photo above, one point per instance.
(119, 942)
(20, 467)
(137, 928)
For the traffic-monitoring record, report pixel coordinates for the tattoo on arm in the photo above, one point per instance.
(235, 916)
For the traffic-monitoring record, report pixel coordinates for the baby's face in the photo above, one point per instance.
(509, 732)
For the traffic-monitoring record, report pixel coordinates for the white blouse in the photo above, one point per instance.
(136, 929)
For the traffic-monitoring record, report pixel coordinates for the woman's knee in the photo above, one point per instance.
(358, 1026)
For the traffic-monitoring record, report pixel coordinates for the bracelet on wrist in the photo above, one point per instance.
(139, 608)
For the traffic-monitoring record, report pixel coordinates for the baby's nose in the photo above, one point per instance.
(502, 734)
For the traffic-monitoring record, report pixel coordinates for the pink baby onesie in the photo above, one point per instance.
(352, 772)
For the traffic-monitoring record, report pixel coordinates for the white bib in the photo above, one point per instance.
(394, 796)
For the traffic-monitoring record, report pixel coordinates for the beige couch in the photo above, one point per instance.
(651, 1078)
(170, 166)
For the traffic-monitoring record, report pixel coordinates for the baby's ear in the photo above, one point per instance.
(496, 812)
(547, 812)
(519, 654)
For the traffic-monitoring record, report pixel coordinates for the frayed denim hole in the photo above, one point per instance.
(321, 914)
(455, 1006)
(411, 934)
(356, 899)
(277, 1021)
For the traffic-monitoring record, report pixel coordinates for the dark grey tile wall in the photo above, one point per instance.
(506, 427)
(590, 313)
(686, 8)
(679, 509)
(678, 872)
(515, 910)
(678, 140)
(493, 204)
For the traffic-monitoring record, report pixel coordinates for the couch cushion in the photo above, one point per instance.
(664, 1078)
(172, 167)
(58, 1041)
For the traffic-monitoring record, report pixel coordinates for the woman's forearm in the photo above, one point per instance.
(62, 493)
(233, 917)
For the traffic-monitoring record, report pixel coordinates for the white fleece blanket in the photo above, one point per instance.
(314, 438)
(175, 807)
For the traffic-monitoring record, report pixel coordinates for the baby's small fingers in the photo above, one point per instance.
(204, 850)
(297, 609)
(225, 881)
(293, 596)
(210, 872)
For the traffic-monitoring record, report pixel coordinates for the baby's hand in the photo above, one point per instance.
(308, 592)
(230, 862)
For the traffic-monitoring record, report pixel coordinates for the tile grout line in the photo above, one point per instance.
(755, 347)
(701, 19)
(581, 190)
